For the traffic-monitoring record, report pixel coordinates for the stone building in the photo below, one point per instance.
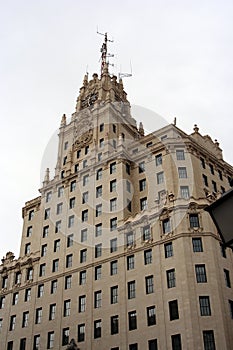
(117, 252)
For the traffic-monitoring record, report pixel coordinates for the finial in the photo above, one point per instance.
(141, 129)
(85, 80)
(63, 120)
(216, 143)
(46, 177)
(174, 122)
(196, 129)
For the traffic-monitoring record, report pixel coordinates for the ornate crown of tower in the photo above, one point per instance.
(103, 89)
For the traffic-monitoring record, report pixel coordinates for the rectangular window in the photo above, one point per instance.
(176, 342)
(50, 341)
(29, 231)
(28, 293)
(127, 168)
(98, 210)
(25, 320)
(200, 273)
(10, 345)
(114, 295)
(101, 143)
(99, 174)
(12, 322)
(149, 284)
(97, 299)
(132, 319)
(115, 324)
(146, 233)
(82, 303)
(208, 340)
(160, 178)
(47, 213)
(53, 287)
(194, 220)
(40, 290)
(184, 192)
(173, 310)
(204, 302)
(70, 240)
(83, 255)
(180, 155)
(129, 239)
(101, 127)
(82, 277)
(15, 298)
(197, 245)
(55, 265)
(166, 224)
(27, 249)
(99, 191)
(113, 185)
(43, 250)
(85, 215)
(168, 250)
(99, 156)
(22, 345)
(227, 278)
(68, 280)
(148, 256)
(98, 250)
(131, 290)
(112, 168)
(182, 172)
(52, 311)
(65, 336)
(128, 186)
(71, 221)
(114, 128)
(60, 191)
(45, 231)
(38, 318)
(66, 311)
(85, 180)
(171, 278)
(113, 245)
(69, 259)
(59, 208)
(113, 204)
(36, 342)
(31, 215)
(231, 308)
(130, 262)
(97, 329)
(18, 277)
(72, 203)
(72, 186)
(113, 267)
(84, 235)
(81, 332)
(87, 149)
(152, 344)
(56, 246)
(142, 185)
(42, 270)
(205, 180)
(113, 224)
(85, 197)
(143, 203)
(133, 346)
(98, 272)
(141, 167)
(98, 230)
(58, 226)
(158, 159)
(214, 186)
(211, 169)
(151, 318)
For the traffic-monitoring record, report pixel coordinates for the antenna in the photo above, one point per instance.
(104, 50)
(126, 75)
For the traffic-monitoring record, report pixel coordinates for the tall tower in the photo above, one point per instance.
(117, 251)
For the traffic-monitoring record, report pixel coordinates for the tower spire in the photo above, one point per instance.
(104, 52)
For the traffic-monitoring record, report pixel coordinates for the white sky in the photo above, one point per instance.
(181, 53)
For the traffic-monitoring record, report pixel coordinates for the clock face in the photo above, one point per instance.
(89, 100)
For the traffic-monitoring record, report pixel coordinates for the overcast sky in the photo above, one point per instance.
(181, 54)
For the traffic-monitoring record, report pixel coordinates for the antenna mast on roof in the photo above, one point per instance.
(126, 75)
(104, 51)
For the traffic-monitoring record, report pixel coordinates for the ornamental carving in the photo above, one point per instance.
(83, 139)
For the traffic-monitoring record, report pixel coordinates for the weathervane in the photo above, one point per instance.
(104, 51)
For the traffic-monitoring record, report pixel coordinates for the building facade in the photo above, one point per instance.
(118, 252)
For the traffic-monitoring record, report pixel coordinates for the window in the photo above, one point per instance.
(12, 322)
(114, 128)
(160, 178)
(214, 186)
(97, 299)
(202, 162)
(131, 290)
(98, 250)
(60, 191)
(142, 184)
(231, 308)
(85, 215)
(71, 221)
(132, 319)
(182, 173)
(171, 278)
(72, 186)
(143, 203)
(173, 310)
(200, 273)
(84, 235)
(168, 250)
(64, 160)
(180, 155)
(149, 284)
(40, 291)
(81, 332)
(82, 277)
(72, 203)
(68, 280)
(113, 185)
(83, 255)
(85, 180)
(50, 341)
(52, 311)
(114, 324)
(42, 270)
(18, 277)
(129, 206)
(166, 224)
(53, 287)
(208, 340)
(113, 204)
(97, 329)
(29, 231)
(2, 302)
(31, 215)
(151, 318)
(148, 256)
(25, 319)
(141, 167)
(176, 342)
(184, 192)
(223, 250)
(149, 144)
(98, 272)
(197, 245)
(65, 336)
(4, 281)
(66, 145)
(146, 233)
(86, 149)
(101, 143)
(98, 230)
(194, 220)
(114, 295)
(130, 262)
(133, 346)
(113, 267)
(227, 278)
(113, 245)
(47, 213)
(43, 250)
(152, 344)
(220, 175)
(55, 265)
(15, 298)
(112, 168)
(56, 245)
(27, 296)
(36, 342)
(222, 190)
(69, 259)
(66, 311)
(30, 273)
(76, 168)
(204, 302)
(99, 174)
(99, 191)
(38, 315)
(98, 210)
(85, 197)
(211, 169)
(127, 168)
(101, 127)
(45, 231)
(128, 186)
(82, 303)
(99, 157)
(59, 208)
(113, 224)
(58, 226)
(70, 240)
(205, 180)
(27, 249)
(158, 159)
